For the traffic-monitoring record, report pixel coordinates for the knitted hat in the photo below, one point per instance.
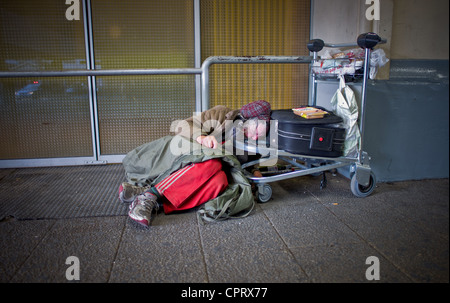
(257, 109)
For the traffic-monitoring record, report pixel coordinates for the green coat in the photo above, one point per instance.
(150, 163)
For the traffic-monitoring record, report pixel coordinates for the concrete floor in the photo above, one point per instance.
(304, 234)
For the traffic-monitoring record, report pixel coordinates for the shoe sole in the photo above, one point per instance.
(122, 199)
(142, 223)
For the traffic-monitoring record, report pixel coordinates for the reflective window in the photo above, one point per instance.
(142, 34)
(58, 117)
(254, 28)
(42, 117)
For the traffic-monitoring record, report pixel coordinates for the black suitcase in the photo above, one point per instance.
(312, 137)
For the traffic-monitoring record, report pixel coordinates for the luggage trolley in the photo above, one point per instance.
(362, 179)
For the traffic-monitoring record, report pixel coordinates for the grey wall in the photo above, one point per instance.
(407, 126)
(407, 120)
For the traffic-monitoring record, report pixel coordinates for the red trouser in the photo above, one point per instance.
(192, 185)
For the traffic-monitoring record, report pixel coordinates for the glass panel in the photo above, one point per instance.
(42, 117)
(137, 109)
(254, 28)
(142, 34)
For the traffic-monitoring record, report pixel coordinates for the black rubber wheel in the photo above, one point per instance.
(360, 190)
(264, 193)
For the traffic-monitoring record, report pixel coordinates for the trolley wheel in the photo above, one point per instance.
(264, 193)
(360, 190)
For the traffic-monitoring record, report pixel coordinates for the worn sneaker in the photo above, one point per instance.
(128, 192)
(142, 207)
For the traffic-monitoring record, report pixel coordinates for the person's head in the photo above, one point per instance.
(254, 128)
(257, 114)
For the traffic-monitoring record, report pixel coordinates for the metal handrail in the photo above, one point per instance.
(203, 70)
(242, 60)
(103, 72)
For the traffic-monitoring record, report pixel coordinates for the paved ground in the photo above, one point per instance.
(304, 234)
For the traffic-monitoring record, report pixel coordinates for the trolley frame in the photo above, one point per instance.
(363, 180)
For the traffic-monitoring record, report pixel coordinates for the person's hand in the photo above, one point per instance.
(208, 141)
(257, 173)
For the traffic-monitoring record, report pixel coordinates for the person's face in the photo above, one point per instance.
(255, 130)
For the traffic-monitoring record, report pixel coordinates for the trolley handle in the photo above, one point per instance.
(315, 45)
(369, 40)
(366, 40)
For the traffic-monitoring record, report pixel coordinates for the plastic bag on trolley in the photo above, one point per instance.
(345, 106)
(377, 60)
